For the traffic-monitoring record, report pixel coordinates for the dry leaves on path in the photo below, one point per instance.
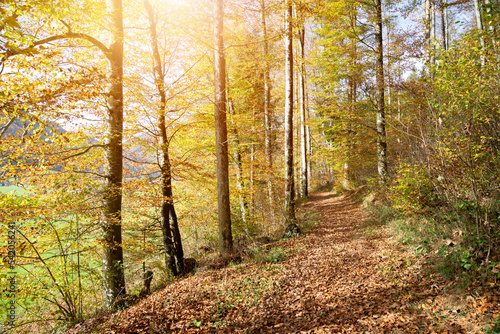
(332, 280)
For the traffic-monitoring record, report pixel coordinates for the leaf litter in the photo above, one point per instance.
(334, 279)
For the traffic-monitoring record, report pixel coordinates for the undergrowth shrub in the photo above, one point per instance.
(448, 235)
(263, 254)
(412, 191)
(308, 220)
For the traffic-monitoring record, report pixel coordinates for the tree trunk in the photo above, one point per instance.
(303, 136)
(388, 59)
(113, 273)
(351, 100)
(478, 15)
(480, 27)
(237, 160)
(427, 24)
(289, 209)
(444, 24)
(176, 234)
(225, 234)
(381, 136)
(174, 255)
(433, 33)
(309, 150)
(491, 9)
(267, 115)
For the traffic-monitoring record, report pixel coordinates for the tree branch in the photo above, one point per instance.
(68, 35)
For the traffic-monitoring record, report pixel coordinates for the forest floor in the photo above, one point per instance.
(343, 275)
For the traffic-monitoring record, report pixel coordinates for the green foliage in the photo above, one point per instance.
(244, 229)
(495, 329)
(449, 181)
(197, 323)
(411, 190)
(265, 255)
(308, 221)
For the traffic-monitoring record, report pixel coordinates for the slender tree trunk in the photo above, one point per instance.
(114, 279)
(388, 61)
(432, 45)
(480, 27)
(225, 233)
(444, 24)
(289, 178)
(478, 15)
(428, 42)
(351, 99)
(267, 115)
(252, 169)
(381, 136)
(303, 135)
(237, 160)
(174, 255)
(490, 10)
(309, 150)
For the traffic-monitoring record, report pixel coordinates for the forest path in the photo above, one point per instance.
(342, 276)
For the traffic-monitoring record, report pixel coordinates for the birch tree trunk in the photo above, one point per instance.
(491, 9)
(174, 254)
(224, 213)
(444, 24)
(381, 135)
(114, 279)
(480, 27)
(477, 13)
(237, 160)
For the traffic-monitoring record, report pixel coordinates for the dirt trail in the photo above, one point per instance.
(334, 279)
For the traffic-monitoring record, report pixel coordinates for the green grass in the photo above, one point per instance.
(273, 255)
(13, 189)
(308, 221)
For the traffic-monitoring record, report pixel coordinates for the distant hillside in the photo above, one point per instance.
(18, 127)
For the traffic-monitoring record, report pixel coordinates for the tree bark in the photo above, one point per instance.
(351, 99)
(225, 233)
(491, 9)
(427, 24)
(267, 114)
(432, 33)
(114, 279)
(309, 150)
(480, 27)
(381, 135)
(237, 160)
(444, 24)
(174, 254)
(176, 234)
(289, 209)
(478, 15)
(303, 136)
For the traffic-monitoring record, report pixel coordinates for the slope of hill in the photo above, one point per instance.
(342, 276)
